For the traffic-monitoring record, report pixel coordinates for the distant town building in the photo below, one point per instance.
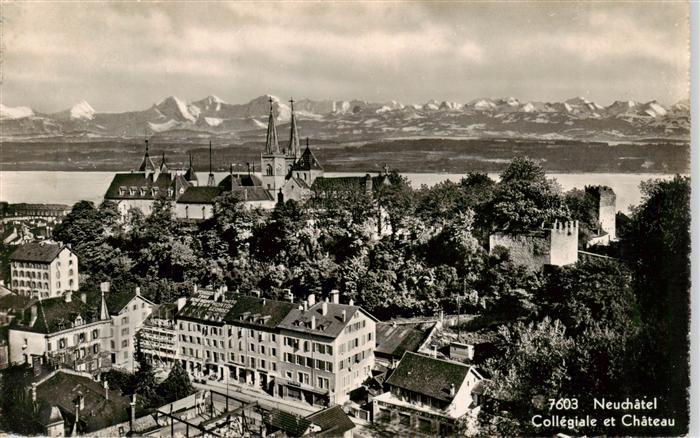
(330, 422)
(428, 395)
(534, 249)
(47, 211)
(394, 339)
(43, 270)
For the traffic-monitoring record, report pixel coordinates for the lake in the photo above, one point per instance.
(71, 187)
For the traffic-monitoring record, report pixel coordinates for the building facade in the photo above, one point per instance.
(42, 270)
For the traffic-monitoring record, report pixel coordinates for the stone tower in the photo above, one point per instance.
(604, 198)
(273, 159)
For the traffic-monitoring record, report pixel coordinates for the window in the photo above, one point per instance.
(309, 362)
(300, 360)
(262, 364)
(274, 366)
(135, 306)
(252, 348)
(262, 349)
(289, 375)
(323, 383)
(125, 320)
(81, 337)
(96, 348)
(274, 351)
(125, 331)
(95, 333)
(303, 378)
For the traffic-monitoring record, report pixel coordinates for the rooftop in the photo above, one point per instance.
(240, 180)
(307, 161)
(332, 421)
(349, 183)
(393, 340)
(428, 376)
(55, 314)
(37, 252)
(255, 311)
(122, 183)
(200, 195)
(331, 324)
(62, 389)
(291, 424)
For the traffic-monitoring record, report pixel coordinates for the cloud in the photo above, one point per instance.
(405, 51)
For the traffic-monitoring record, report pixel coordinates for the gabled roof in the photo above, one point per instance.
(37, 252)
(332, 421)
(307, 161)
(13, 302)
(262, 312)
(55, 314)
(329, 325)
(428, 376)
(200, 195)
(291, 424)
(190, 174)
(205, 310)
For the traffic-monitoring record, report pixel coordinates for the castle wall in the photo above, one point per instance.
(530, 250)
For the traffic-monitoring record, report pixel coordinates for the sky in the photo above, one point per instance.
(129, 55)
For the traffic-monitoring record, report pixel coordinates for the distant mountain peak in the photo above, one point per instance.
(18, 112)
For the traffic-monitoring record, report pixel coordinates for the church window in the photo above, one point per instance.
(268, 170)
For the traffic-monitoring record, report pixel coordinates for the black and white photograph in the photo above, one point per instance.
(346, 219)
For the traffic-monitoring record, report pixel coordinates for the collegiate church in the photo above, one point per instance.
(287, 174)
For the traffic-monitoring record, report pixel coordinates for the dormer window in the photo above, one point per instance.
(142, 191)
(122, 190)
(132, 191)
(170, 192)
(154, 191)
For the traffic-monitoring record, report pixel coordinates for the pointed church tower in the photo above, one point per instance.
(293, 150)
(147, 166)
(163, 165)
(273, 160)
(210, 180)
(191, 175)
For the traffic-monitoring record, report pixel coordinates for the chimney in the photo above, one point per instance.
(344, 315)
(83, 297)
(324, 308)
(81, 401)
(106, 387)
(335, 296)
(69, 296)
(352, 302)
(305, 304)
(313, 322)
(311, 299)
(181, 302)
(194, 290)
(138, 290)
(132, 416)
(104, 286)
(452, 389)
(34, 385)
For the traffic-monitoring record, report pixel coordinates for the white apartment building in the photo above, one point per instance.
(42, 270)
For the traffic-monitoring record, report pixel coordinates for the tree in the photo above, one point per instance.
(524, 199)
(177, 385)
(592, 293)
(145, 378)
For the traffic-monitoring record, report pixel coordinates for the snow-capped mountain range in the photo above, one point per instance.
(356, 119)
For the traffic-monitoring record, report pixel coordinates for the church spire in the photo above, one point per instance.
(191, 175)
(147, 164)
(271, 144)
(293, 150)
(210, 181)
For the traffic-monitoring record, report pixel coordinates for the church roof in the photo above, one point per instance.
(271, 141)
(240, 180)
(349, 183)
(307, 161)
(190, 174)
(250, 194)
(130, 185)
(200, 195)
(163, 166)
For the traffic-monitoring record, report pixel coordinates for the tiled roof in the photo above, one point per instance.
(252, 194)
(37, 252)
(291, 424)
(13, 302)
(200, 195)
(240, 180)
(254, 311)
(348, 183)
(164, 311)
(62, 389)
(307, 161)
(147, 164)
(205, 310)
(55, 314)
(428, 376)
(332, 421)
(123, 183)
(393, 340)
(330, 324)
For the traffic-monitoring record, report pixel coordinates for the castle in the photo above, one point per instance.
(534, 249)
(288, 173)
(604, 200)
